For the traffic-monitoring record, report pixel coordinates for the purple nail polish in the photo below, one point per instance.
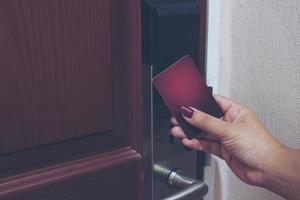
(187, 112)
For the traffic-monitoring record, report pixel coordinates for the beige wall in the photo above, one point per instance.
(256, 62)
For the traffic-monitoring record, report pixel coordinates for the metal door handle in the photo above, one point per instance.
(177, 179)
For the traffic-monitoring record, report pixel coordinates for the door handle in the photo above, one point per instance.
(175, 178)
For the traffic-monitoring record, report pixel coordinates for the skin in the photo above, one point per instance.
(248, 148)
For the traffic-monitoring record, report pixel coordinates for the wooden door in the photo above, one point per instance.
(70, 100)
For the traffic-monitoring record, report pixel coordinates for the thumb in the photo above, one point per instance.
(205, 122)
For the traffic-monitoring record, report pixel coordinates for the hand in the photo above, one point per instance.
(239, 138)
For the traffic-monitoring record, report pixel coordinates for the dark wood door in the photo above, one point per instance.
(70, 100)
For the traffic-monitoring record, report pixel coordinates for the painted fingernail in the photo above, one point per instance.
(187, 112)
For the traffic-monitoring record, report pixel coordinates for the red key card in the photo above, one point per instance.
(182, 84)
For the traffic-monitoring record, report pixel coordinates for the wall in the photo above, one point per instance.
(254, 58)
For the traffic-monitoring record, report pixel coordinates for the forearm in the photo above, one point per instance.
(283, 177)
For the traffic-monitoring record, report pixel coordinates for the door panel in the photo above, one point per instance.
(56, 79)
(70, 99)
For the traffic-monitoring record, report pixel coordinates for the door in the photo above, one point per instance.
(70, 100)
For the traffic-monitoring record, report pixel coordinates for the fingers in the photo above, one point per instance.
(203, 145)
(174, 121)
(208, 146)
(177, 132)
(205, 122)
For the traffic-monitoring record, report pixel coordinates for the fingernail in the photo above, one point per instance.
(187, 112)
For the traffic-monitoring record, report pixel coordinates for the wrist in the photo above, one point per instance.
(273, 165)
(281, 176)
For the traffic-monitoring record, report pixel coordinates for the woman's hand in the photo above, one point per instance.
(240, 139)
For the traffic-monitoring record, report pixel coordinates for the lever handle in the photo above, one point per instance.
(175, 178)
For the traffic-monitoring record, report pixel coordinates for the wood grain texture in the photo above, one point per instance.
(44, 182)
(126, 51)
(55, 66)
